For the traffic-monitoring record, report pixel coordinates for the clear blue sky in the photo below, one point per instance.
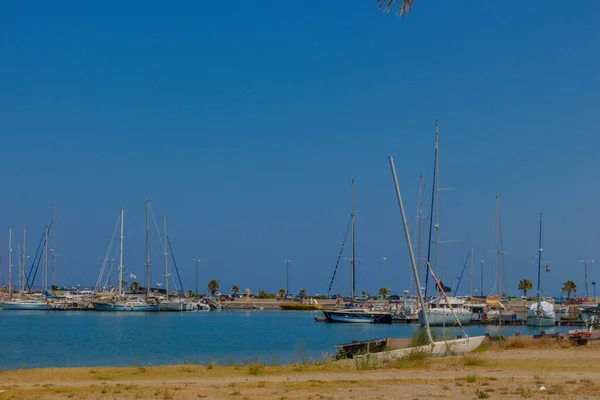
(245, 123)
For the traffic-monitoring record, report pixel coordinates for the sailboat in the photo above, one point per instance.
(120, 302)
(442, 310)
(30, 302)
(390, 348)
(176, 304)
(540, 313)
(354, 314)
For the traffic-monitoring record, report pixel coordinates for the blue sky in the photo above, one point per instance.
(246, 123)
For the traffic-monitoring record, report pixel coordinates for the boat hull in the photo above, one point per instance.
(443, 317)
(125, 307)
(353, 317)
(540, 321)
(9, 305)
(436, 349)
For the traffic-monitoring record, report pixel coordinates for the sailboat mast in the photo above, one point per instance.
(121, 254)
(147, 247)
(433, 197)
(10, 261)
(352, 256)
(471, 279)
(24, 260)
(539, 264)
(419, 218)
(45, 264)
(166, 256)
(437, 203)
(410, 251)
(52, 251)
(498, 250)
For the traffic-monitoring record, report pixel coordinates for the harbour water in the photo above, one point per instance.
(31, 339)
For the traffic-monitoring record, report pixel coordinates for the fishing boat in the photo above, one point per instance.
(390, 349)
(357, 313)
(540, 313)
(121, 302)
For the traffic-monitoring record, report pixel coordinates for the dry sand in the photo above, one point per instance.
(513, 370)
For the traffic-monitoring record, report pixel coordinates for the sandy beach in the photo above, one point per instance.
(525, 368)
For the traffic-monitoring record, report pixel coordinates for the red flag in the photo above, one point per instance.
(547, 268)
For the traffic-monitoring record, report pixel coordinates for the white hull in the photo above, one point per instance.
(182, 306)
(128, 307)
(436, 349)
(26, 305)
(444, 317)
(539, 322)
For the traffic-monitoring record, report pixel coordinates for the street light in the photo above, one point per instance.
(197, 260)
(383, 260)
(594, 285)
(585, 263)
(287, 276)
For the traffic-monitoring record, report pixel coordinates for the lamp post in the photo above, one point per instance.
(481, 261)
(585, 263)
(594, 285)
(383, 260)
(197, 260)
(287, 276)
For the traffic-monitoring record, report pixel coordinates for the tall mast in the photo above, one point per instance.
(24, 260)
(410, 252)
(498, 244)
(166, 256)
(121, 254)
(352, 259)
(45, 264)
(433, 199)
(539, 264)
(52, 249)
(147, 247)
(10, 261)
(437, 202)
(471, 278)
(419, 218)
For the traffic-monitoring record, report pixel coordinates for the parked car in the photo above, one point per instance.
(336, 296)
(559, 300)
(394, 297)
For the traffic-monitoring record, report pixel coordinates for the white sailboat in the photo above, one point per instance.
(442, 310)
(540, 313)
(31, 303)
(120, 302)
(354, 313)
(433, 348)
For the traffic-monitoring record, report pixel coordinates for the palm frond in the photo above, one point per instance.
(404, 6)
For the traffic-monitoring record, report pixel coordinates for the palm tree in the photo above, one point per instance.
(403, 6)
(281, 293)
(569, 286)
(384, 291)
(134, 287)
(302, 292)
(525, 285)
(190, 292)
(212, 286)
(235, 289)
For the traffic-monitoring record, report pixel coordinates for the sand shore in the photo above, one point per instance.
(511, 370)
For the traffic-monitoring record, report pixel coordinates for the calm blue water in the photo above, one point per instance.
(70, 339)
